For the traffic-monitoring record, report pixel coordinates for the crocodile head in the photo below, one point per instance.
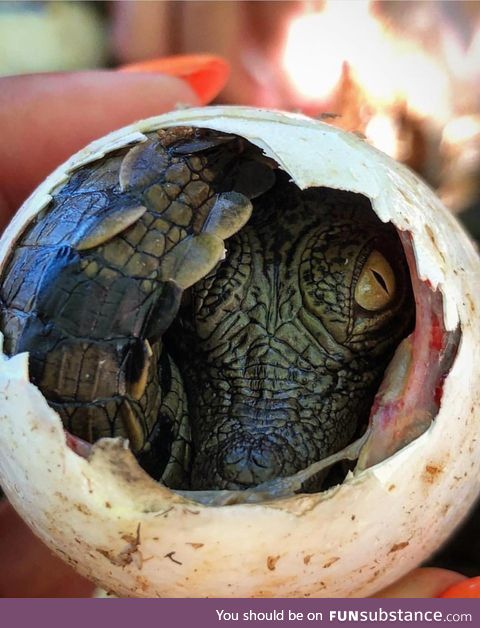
(281, 348)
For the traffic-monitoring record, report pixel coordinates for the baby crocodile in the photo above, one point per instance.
(223, 371)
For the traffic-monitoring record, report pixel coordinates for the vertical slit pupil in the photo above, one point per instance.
(380, 280)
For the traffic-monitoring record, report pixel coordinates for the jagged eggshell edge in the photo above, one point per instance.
(133, 537)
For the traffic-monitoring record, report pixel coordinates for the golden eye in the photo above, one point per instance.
(376, 284)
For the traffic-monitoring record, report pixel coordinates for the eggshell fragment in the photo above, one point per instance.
(117, 526)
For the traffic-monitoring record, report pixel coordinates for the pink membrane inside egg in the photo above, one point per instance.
(410, 394)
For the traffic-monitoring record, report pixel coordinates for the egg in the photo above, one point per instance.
(417, 465)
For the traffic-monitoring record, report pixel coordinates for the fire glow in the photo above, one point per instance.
(387, 69)
(409, 83)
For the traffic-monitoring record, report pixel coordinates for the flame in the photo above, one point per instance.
(382, 132)
(388, 69)
(318, 45)
(461, 130)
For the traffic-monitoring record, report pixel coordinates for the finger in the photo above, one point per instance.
(45, 118)
(468, 588)
(206, 74)
(420, 583)
(5, 213)
(29, 569)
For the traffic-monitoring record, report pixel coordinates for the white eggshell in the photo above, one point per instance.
(136, 538)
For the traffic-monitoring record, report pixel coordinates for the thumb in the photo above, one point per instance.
(45, 118)
(423, 582)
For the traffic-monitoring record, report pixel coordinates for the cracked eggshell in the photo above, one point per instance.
(133, 537)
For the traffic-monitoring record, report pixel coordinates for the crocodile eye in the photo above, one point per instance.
(376, 285)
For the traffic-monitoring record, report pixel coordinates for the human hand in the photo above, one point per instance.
(428, 582)
(44, 119)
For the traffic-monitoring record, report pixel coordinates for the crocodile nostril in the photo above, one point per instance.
(251, 462)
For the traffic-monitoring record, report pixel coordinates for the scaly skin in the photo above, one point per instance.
(90, 304)
(272, 365)
(279, 363)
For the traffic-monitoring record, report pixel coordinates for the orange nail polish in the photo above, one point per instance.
(468, 588)
(206, 74)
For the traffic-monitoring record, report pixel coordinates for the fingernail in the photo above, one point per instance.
(206, 74)
(470, 587)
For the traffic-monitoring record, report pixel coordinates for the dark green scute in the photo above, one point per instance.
(86, 294)
(276, 380)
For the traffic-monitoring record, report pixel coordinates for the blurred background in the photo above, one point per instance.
(405, 75)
